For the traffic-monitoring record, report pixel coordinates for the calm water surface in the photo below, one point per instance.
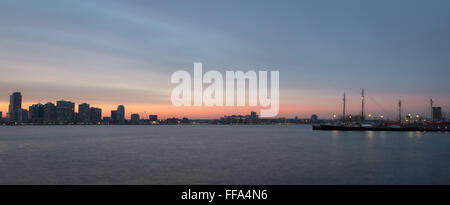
(222, 154)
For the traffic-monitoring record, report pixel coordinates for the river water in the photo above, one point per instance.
(220, 154)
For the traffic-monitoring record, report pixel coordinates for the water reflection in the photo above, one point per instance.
(369, 135)
(334, 134)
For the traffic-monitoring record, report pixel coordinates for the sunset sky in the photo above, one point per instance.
(108, 53)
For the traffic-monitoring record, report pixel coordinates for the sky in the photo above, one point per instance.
(108, 53)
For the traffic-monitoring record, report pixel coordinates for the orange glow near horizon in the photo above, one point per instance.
(303, 107)
(168, 111)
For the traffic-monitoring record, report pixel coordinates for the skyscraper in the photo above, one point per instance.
(114, 117)
(84, 114)
(121, 114)
(36, 113)
(65, 112)
(96, 115)
(15, 107)
(24, 116)
(49, 113)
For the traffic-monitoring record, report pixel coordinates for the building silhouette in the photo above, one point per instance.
(121, 114)
(253, 117)
(15, 108)
(36, 113)
(65, 112)
(95, 115)
(49, 114)
(84, 114)
(24, 116)
(153, 118)
(134, 119)
(106, 121)
(114, 119)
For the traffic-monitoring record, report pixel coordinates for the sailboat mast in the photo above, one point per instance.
(362, 105)
(343, 109)
(431, 111)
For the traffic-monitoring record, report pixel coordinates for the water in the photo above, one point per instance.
(223, 154)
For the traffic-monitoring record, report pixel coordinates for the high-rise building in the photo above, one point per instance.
(96, 115)
(135, 119)
(65, 112)
(36, 113)
(15, 108)
(49, 113)
(153, 118)
(1, 116)
(84, 114)
(121, 114)
(114, 117)
(24, 116)
(437, 114)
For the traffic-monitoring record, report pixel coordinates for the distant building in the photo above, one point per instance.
(172, 121)
(153, 118)
(135, 119)
(75, 118)
(49, 113)
(185, 120)
(234, 119)
(15, 108)
(437, 114)
(106, 121)
(24, 117)
(314, 118)
(114, 119)
(84, 114)
(96, 115)
(1, 116)
(121, 114)
(253, 117)
(65, 112)
(36, 113)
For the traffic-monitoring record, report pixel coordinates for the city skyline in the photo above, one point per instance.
(85, 113)
(111, 53)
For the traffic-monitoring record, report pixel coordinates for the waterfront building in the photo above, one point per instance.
(135, 119)
(153, 118)
(15, 108)
(106, 121)
(36, 113)
(96, 115)
(253, 117)
(84, 114)
(65, 112)
(49, 113)
(24, 116)
(121, 114)
(114, 117)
